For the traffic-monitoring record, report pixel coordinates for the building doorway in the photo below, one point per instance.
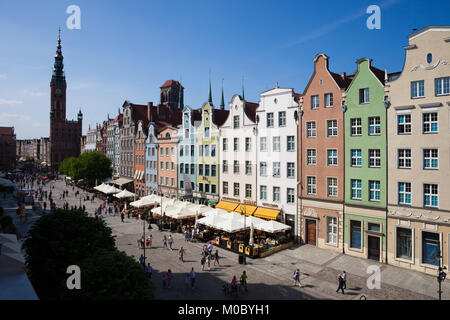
(373, 248)
(310, 232)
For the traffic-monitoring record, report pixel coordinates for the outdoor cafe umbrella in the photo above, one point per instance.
(101, 187)
(110, 190)
(124, 194)
(272, 226)
(211, 221)
(231, 225)
(215, 212)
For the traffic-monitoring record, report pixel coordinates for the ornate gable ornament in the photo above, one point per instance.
(311, 213)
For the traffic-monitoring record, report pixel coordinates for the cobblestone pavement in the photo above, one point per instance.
(268, 278)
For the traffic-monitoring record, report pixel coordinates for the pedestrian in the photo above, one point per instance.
(193, 235)
(344, 279)
(170, 242)
(297, 278)
(142, 260)
(142, 242)
(210, 247)
(340, 284)
(181, 254)
(202, 262)
(122, 216)
(147, 242)
(165, 242)
(149, 270)
(150, 240)
(209, 258)
(244, 280)
(216, 258)
(192, 275)
(234, 286)
(169, 278)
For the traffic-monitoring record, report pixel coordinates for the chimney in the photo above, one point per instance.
(149, 111)
(343, 75)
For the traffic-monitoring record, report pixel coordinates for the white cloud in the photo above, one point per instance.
(10, 102)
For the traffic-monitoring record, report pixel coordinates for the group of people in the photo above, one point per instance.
(208, 257)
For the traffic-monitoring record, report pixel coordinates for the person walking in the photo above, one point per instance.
(208, 259)
(340, 284)
(142, 242)
(169, 278)
(142, 260)
(216, 258)
(234, 287)
(181, 252)
(192, 275)
(122, 216)
(170, 242)
(149, 270)
(202, 262)
(147, 242)
(344, 279)
(297, 278)
(165, 242)
(244, 280)
(150, 240)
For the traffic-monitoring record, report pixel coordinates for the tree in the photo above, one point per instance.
(57, 241)
(112, 275)
(90, 166)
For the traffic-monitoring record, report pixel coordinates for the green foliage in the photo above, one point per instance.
(29, 159)
(89, 166)
(57, 241)
(112, 275)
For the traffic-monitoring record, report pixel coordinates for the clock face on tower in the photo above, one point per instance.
(58, 92)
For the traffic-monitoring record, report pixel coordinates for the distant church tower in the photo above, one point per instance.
(172, 95)
(64, 135)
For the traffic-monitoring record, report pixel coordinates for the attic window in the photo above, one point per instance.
(321, 82)
(429, 58)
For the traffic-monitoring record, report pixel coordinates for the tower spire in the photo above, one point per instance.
(243, 94)
(58, 73)
(222, 101)
(210, 93)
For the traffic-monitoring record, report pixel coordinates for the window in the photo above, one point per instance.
(291, 170)
(311, 185)
(417, 89)
(225, 187)
(374, 191)
(374, 126)
(328, 100)
(225, 144)
(332, 128)
(167, 165)
(200, 187)
(276, 194)
(162, 165)
(225, 166)
(186, 133)
(311, 157)
(236, 167)
(356, 157)
(355, 234)
(332, 229)
(248, 144)
(235, 122)
(248, 167)
(213, 189)
(207, 132)
(213, 150)
(172, 166)
(430, 159)
(172, 182)
(404, 158)
(442, 86)
(200, 170)
(431, 195)
(276, 169)
(356, 128)
(236, 144)
(181, 168)
(290, 195)
(430, 248)
(236, 189)
(192, 150)
(311, 129)
(161, 179)
(248, 190)
(404, 193)
(263, 144)
(167, 152)
(167, 181)
(276, 144)
(356, 189)
(364, 95)
(206, 188)
(181, 152)
(332, 187)
(404, 124)
(332, 157)
(269, 120)
(374, 158)
(207, 170)
(200, 151)
(404, 243)
(263, 169)
(430, 122)
(290, 143)
(206, 150)
(314, 102)
(263, 193)
(213, 170)
(282, 118)
(172, 151)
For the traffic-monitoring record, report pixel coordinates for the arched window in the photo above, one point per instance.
(429, 58)
(168, 135)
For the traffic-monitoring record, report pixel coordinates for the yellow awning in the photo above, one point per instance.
(265, 213)
(247, 209)
(228, 206)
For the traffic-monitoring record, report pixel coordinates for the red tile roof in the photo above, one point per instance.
(171, 83)
(250, 110)
(220, 116)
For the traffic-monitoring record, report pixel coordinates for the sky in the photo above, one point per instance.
(125, 50)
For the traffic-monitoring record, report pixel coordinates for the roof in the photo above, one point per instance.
(250, 110)
(171, 83)
(418, 32)
(220, 116)
(378, 73)
(343, 81)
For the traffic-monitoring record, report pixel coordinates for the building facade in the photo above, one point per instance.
(151, 160)
(238, 154)
(418, 148)
(91, 140)
(321, 158)
(277, 154)
(7, 148)
(139, 159)
(167, 159)
(365, 164)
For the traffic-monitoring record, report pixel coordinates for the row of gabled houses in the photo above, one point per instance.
(356, 163)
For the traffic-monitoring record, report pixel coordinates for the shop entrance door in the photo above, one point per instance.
(373, 244)
(311, 232)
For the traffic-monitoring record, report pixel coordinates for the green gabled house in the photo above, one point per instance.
(365, 163)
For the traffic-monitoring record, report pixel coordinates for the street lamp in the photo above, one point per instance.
(244, 211)
(441, 274)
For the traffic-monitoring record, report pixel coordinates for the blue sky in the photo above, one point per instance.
(125, 50)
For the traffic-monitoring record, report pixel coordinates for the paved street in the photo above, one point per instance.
(268, 278)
